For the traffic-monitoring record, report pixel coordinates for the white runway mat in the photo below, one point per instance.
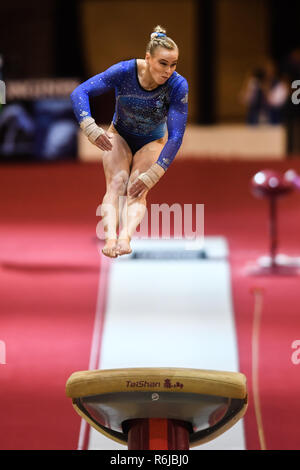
(167, 308)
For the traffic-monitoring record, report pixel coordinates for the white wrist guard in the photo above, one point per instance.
(90, 129)
(152, 176)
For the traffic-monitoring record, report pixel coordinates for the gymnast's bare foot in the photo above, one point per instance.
(123, 246)
(110, 247)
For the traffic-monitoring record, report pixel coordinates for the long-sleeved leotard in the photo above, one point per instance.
(140, 115)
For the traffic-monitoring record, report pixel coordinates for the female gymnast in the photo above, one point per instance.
(150, 99)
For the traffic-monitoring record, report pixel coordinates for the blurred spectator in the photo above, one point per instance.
(56, 128)
(47, 130)
(291, 66)
(291, 71)
(17, 130)
(264, 94)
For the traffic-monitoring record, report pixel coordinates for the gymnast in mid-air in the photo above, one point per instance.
(151, 98)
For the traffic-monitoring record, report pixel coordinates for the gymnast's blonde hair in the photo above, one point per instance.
(159, 38)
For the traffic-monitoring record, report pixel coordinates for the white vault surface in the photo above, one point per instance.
(169, 304)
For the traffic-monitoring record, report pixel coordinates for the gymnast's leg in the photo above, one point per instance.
(135, 207)
(116, 165)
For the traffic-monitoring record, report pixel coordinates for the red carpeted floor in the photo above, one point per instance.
(49, 270)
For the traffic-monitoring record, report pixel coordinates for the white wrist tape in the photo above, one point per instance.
(152, 176)
(90, 129)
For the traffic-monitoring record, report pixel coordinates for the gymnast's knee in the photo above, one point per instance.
(118, 183)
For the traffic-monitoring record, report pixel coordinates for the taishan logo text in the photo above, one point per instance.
(145, 384)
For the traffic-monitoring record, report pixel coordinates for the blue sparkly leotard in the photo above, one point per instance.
(141, 116)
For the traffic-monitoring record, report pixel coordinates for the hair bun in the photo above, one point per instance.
(159, 38)
(158, 32)
(157, 35)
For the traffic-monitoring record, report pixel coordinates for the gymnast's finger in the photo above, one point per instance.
(137, 189)
(132, 190)
(102, 147)
(106, 139)
(103, 143)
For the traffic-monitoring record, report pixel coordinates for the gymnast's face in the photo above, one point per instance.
(162, 64)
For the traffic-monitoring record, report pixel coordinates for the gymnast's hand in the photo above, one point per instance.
(137, 188)
(104, 141)
(146, 180)
(96, 134)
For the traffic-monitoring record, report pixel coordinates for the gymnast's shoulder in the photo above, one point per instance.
(179, 88)
(177, 81)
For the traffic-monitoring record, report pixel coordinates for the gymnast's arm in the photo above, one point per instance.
(95, 86)
(176, 123)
